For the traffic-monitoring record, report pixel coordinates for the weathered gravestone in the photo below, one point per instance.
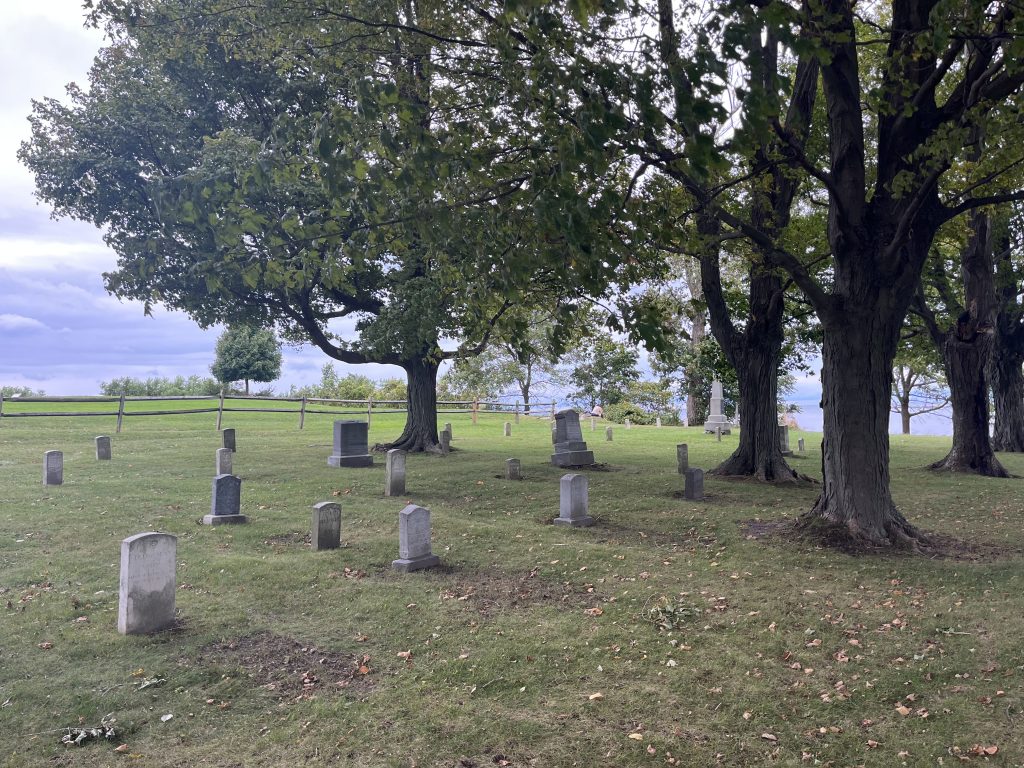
(351, 445)
(223, 462)
(326, 525)
(148, 583)
(448, 429)
(629, 424)
(682, 457)
(717, 418)
(657, 421)
(570, 449)
(394, 473)
(800, 445)
(694, 485)
(784, 440)
(53, 468)
(414, 540)
(718, 433)
(608, 434)
(226, 504)
(103, 448)
(508, 429)
(513, 469)
(573, 502)
(228, 436)
(446, 440)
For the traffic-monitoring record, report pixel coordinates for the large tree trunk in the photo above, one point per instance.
(856, 505)
(966, 352)
(420, 433)
(696, 404)
(905, 414)
(966, 349)
(1007, 380)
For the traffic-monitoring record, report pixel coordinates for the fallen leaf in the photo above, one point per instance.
(122, 748)
(636, 736)
(596, 696)
(769, 737)
(165, 718)
(903, 710)
(593, 611)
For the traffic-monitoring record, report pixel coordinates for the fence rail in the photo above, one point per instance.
(367, 407)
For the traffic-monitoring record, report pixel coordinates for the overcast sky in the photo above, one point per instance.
(59, 330)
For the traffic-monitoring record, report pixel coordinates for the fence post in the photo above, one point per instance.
(1, 404)
(369, 409)
(120, 413)
(302, 413)
(220, 410)
(517, 411)
(552, 410)
(476, 407)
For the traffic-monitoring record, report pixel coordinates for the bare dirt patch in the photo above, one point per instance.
(934, 546)
(291, 669)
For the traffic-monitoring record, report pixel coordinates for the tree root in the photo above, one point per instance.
(896, 534)
(989, 467)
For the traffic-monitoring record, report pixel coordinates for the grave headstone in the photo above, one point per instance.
(608, 434)
(414, 540)
(326, 525)
(147, 584)
(228, 436)
(784, 440)
(351, 445)
(683, 457)
(513, 469)
(800, 444)
(103, 448)
(446, 440)
(657, 421)
(573, 502)
(225, 506)
(223, 464)
(448, 428)
(694, 485)
(394, 473)
(53, 468)
(508, 429)
(629, 424)
(570, 449)
(718, 432)
(717, 418)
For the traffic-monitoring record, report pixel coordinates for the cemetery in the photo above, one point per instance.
(476, 609)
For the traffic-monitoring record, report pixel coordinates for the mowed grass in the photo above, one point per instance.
(532, 646)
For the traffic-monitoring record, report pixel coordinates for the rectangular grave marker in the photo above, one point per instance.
(228, 436)
(351, 445)
(608, 434)
(574, 502)
(53, 468)
(226, 502)
(103, 448)
(508, 429)
(414, 540)
(326, 525)
(513, 469)
(694, 487)
(800, 444)
(223, 464)
(570, 448)
(394, 473)
(147, 585)
(682, 457)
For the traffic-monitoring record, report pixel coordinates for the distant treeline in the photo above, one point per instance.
(351, 386)
(161, 387)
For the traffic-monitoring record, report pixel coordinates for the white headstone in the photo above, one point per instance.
(148, 583)
(223, 465)
(394, 473)
(414, 540)
(574, 502)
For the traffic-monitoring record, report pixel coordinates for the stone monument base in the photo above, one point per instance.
(224, 519)
(416, 563)
(711, 427)
(572, 458)
(365, 460)
(575, 522)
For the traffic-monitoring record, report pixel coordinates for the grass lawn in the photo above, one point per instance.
(533, 645)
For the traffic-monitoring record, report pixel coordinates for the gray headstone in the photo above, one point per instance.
(351, 445)
(394, 473)
(784, 440)
(513, 469)
(718, 432)
(228, 435)
(446, 440)
(226, 503)
(103, 448)
(694, 487)
(573, 502)
(629, 424)
(414, 540)
(147, 584)
(53, 468)
(683, 457)
(716, 420)
(326, 525)
(657, 421)
(608, 434)
(448, 428)
(223, 462)
(508, 429)
(570, 448)
(800, 444)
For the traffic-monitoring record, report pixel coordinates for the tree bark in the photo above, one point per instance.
(905, 415)
(420, 433)
(1007, 379)
(696, 405)
(856, 380)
